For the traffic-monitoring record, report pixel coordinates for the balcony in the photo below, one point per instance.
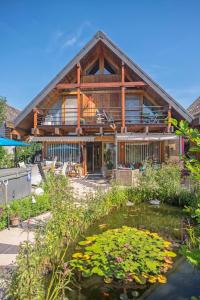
(102, 116)
(151, 115)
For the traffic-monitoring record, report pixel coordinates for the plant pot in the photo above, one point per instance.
(108, 173)
(14, 221)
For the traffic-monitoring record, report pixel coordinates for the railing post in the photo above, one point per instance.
(123, 96)
(78, 97)
(169, 118)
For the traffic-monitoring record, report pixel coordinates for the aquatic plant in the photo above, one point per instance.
(125, 254)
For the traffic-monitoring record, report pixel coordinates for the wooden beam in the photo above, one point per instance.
(35, 112)
(137, 91)
(92, 85)
(101, 62)
(123, 96)
(78, 96)
(169, 118)
(63, 109)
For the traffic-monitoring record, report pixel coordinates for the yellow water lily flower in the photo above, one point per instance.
(169, 253)
(144, 275)
(152, 279)
(77, 255)
(162, 279)
(167, 244)
(86, 257)
(155, 235)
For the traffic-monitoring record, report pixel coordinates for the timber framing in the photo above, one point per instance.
(144, 80)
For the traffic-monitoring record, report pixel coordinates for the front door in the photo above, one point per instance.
(94, 157)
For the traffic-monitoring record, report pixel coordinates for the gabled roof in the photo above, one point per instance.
(100, 36)
(11, 112)
(194, 108)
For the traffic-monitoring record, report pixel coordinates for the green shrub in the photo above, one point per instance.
(3, 217)
(163, 184)
(24, 208)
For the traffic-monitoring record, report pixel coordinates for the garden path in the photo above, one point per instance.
(11, 238)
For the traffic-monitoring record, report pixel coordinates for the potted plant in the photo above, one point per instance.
(14, 219)
(108, 163)
(109, 166)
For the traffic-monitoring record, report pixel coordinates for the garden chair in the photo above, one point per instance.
(22, 165)
(62, 170)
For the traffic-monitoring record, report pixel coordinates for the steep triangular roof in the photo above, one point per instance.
(100, 36)
(194, 108)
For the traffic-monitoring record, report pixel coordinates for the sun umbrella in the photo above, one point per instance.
(8, 142)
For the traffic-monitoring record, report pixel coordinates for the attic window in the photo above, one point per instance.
(94, 69)
(108, 69)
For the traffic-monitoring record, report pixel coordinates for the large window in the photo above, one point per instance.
(138, 153)
(152, 114)
(63, 152)
(133, 109)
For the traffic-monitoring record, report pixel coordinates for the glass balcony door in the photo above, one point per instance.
(133, 109)
(70, 110)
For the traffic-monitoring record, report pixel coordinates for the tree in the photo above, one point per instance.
(193, 136)
(2, 110)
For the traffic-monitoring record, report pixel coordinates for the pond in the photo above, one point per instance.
(163, 219)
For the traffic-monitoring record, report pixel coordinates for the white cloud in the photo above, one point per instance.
(75, 38)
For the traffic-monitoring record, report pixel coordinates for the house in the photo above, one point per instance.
(11, 114)
(103, 109)
(194, 110)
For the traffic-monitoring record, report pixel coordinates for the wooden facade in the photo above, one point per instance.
(99, 95)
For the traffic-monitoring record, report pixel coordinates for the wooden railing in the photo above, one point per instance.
(102, 116)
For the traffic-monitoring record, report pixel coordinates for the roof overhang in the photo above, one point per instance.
(143, 137)
(62, 139)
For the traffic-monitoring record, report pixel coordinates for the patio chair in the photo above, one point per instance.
(100, 117)
(61, 170)
(22, 165)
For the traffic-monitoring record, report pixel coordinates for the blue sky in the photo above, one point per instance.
(37, 38)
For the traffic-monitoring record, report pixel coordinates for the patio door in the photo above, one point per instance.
(71, 110)
(94, 157)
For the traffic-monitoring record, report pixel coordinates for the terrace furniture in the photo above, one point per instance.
(61, 170)
(22, 164)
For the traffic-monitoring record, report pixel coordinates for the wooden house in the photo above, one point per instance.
(103, 109)
(194, 110)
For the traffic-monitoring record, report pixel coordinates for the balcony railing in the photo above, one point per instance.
(102, 116)
(146, 115)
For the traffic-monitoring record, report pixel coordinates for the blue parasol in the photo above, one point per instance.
(8, 142)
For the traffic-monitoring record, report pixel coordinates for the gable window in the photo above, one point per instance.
(94, 69)
(108, 69)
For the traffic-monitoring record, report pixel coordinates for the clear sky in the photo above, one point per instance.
(38, 37)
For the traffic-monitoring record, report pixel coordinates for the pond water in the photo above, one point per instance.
(165, 220)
